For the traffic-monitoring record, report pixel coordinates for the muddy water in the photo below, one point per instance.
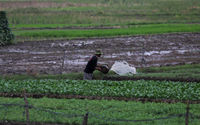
(54, 57)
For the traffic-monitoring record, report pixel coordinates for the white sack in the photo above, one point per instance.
(123, 68)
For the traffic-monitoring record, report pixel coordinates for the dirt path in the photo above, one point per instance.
(53, 57)
(14, 95)
(121, 78)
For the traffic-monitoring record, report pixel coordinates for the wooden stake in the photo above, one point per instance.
(187, 113)
(85, 119)
(26, 108)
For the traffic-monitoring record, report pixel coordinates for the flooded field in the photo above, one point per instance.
(64, 56)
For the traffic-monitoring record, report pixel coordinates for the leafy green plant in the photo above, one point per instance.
(6, 37)
(129, 89)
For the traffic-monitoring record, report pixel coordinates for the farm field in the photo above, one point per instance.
(112, 112)
(45, 15)
(101, 12)
(55, 39)
(180, 91)
(181, 73)
(65, 56)
(153, 33)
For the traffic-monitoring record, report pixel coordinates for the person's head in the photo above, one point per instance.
(98, 53)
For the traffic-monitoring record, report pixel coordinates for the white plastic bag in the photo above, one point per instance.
(123, 68)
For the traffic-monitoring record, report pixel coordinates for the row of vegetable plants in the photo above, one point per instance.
(136, 89)
(134, 30)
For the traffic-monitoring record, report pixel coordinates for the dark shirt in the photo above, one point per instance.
(91, 65)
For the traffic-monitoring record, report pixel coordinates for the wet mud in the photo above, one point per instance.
(65, 56)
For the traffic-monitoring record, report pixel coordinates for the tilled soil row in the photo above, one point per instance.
(98, 98)
(121, 78)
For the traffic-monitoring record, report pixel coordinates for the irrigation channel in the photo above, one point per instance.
(65, 56)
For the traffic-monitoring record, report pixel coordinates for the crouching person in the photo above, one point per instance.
(92, 65)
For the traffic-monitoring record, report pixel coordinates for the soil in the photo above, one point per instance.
(121, 78)
(14, 95)
(65, 56)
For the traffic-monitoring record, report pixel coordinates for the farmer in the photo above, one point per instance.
(92, 65)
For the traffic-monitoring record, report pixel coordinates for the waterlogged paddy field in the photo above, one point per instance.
(64, 56)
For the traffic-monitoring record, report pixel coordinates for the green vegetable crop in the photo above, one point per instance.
(137, 89)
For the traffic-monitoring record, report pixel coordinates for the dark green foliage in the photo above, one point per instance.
(102, 88)
(6, 37)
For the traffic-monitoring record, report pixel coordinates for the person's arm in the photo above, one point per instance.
(98, 67)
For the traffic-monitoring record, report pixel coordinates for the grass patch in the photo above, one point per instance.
(178, 68)
(101, 11)
(135, 30)
(43, 26)
(72, 76)
(100, 111)
(188, 71)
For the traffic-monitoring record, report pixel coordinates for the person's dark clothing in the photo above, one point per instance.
(91, 65)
